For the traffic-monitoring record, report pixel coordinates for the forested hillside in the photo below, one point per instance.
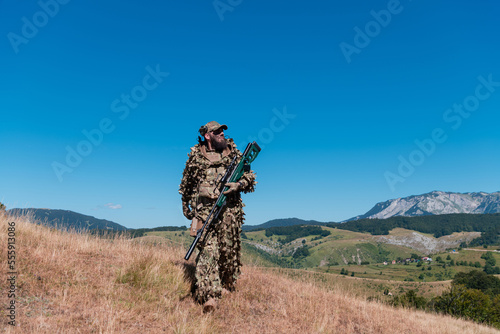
(438, 225)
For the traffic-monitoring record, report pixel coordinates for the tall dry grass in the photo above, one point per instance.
(77, 283)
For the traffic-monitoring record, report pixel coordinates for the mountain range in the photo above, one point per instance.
(435, 203)
(67, 219)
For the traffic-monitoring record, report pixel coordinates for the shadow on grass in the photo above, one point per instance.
(189, 269)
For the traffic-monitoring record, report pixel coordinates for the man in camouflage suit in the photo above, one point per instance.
(219, 260)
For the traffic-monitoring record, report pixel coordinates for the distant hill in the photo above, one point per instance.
(283, 222)
(68, 219)
(137, 233)
(438, 225)
(435, 203)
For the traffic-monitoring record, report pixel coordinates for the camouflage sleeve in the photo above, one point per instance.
(248, 182)
(189, 179)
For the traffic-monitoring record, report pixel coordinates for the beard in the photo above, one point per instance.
(219, 143)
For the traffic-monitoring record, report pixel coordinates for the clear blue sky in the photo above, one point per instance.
(339, 94)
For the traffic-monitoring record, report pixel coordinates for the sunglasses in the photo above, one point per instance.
(218, 131)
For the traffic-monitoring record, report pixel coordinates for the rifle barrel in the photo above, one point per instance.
(192, 247)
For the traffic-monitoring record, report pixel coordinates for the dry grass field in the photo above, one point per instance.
(77, 283)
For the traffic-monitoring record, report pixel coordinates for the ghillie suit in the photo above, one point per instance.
(219, 260)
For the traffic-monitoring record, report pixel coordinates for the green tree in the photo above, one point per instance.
(490, 270)
(490, 259)
(495, 312)
(410, 299)
(479, 280)
(301, 252)
(465, 303)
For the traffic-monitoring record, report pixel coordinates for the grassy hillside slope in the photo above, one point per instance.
(76, 283)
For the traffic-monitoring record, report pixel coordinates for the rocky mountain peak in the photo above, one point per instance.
(436, 203)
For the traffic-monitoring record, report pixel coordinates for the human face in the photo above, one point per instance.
(218, 140)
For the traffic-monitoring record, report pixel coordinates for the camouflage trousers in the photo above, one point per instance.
(219, 260)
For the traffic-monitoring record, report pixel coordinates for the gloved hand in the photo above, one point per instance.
(232, 188)
(187, 211)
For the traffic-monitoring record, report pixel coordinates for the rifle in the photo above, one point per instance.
(233, 174)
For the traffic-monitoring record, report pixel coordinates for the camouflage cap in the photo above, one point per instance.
(211, 126)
